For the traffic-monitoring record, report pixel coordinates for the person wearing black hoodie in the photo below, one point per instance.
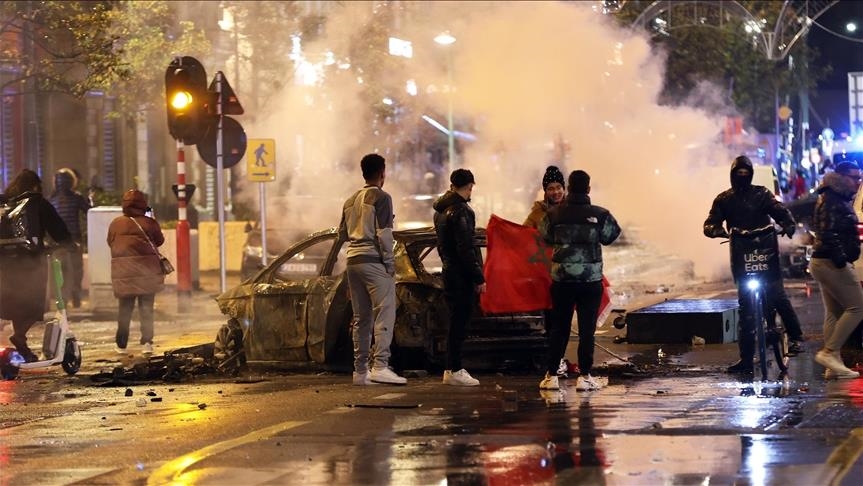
(455, 224)
(747, 207)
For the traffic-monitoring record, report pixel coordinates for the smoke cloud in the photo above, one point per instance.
(525, 74)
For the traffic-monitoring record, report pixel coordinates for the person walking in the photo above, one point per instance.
(24, 268)
(136, 272)
(576, 229)
(72, 208)
(554, 190)
(367, 226)
(836, 248)
(747, 207)
(455, 225)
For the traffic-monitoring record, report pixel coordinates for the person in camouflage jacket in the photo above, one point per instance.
(576, 229)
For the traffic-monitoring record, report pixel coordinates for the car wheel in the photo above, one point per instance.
(229, 354)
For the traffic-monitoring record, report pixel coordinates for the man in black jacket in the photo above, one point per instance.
(455, 225)
(748, 207)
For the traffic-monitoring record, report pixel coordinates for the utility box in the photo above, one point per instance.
(678, 320)
(99, 258)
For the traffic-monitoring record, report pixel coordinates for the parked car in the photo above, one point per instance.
(297, 311)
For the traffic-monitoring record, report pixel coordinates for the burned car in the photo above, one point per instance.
(297, 311)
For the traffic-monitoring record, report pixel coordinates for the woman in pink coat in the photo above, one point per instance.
(135, 269)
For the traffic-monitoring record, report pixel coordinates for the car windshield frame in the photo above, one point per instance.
(269, 273)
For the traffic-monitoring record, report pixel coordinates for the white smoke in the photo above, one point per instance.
(527, 73)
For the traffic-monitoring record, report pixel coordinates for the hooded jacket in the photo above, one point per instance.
(135, 267)
(24, 275)
(835, 222)
(68, 203)
(577, 230)
(745, 206)
(455, 225)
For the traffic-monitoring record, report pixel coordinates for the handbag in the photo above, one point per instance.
(167, 266)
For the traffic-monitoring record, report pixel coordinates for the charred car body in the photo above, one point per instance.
(297, 311)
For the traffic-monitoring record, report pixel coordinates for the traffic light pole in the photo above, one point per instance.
(184, 263)
(220, 185)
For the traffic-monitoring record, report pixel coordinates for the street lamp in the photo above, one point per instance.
(446, 39)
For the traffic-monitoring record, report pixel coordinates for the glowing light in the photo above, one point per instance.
(401, 48)
(411, 87)
(444, 38)
(752, 284)
(387, 101)
(181, 100)
(851, 27)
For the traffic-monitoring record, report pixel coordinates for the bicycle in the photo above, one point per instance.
(755, 262)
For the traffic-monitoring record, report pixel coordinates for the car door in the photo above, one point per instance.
(280, 301)
(329, 310)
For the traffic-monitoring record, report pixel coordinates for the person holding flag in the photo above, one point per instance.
(553, 190)
(576, 230)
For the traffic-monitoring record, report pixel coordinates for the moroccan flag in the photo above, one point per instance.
(517, 271)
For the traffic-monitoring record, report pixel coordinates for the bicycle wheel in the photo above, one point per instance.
(760, 335)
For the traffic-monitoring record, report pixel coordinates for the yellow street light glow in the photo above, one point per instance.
(181, 100)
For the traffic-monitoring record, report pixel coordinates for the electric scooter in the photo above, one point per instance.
(59, 345)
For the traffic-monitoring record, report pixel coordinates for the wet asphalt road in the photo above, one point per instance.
(675, 419)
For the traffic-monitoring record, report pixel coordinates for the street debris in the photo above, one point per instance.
(174, 366)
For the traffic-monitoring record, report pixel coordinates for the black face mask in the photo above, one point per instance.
(741, 181)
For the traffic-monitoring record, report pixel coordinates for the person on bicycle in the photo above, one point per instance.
(746, 207)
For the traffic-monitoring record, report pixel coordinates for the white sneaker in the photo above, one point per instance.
(833, 375)
(550, 382)
(386, 375)
(459, 378)
(362, 379)
(147, 348)
(119, 350)
(587, 383)
(563, 369)
(833, 362)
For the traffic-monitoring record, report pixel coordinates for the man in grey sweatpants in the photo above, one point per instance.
(367, 226)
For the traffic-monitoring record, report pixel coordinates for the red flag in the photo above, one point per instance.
(516, 269)
(605, 303)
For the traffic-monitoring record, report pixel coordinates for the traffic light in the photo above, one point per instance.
(187, 98)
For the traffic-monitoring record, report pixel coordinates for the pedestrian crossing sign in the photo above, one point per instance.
(261, 159)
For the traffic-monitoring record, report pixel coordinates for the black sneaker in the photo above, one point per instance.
(794, 348)
(741, 367)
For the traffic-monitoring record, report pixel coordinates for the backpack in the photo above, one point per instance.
(19, 225)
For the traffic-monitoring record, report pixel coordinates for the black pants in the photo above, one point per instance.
(124, 317)
(460, 297)
(585, 297)
(778, 300)
(72, 262)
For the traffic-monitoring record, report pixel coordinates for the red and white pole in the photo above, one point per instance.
(184, 261)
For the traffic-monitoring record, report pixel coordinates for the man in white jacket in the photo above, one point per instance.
(367, 226)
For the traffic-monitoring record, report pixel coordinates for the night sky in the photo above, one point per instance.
(831, 100)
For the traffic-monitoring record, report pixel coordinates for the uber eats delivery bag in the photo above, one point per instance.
(755, 256)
